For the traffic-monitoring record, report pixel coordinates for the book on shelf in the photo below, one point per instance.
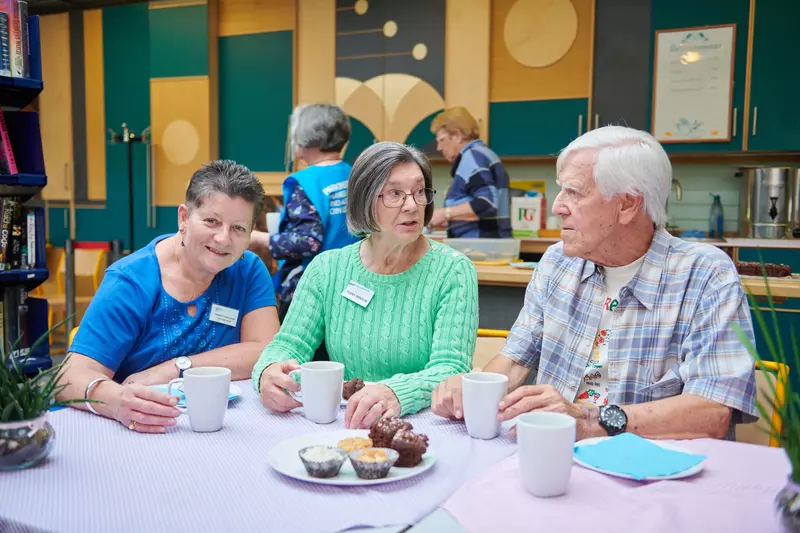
(17, 235)
(14, 39)
(8, 165)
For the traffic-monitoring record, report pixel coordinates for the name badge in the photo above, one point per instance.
(224, 315)
(358, 293)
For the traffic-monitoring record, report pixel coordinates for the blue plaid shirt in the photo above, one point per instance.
(672, 329)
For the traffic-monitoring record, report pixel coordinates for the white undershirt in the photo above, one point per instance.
(594, 386)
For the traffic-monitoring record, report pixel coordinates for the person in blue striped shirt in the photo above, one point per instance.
(477, 203)
(625, 327)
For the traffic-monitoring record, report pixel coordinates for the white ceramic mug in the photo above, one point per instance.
(481, 392)
(273, 223)
(545, 447)
(207, 389)
(320, 393)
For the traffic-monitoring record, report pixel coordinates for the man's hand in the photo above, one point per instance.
(438, 220)
(545, 398)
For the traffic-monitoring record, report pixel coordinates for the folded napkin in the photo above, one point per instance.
(636, 457)
(178, 393)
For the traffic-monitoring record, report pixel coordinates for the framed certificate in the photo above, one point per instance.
(693, 84)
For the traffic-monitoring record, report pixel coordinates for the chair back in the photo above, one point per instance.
(769, 376)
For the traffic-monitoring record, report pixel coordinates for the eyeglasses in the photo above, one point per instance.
(395, 198)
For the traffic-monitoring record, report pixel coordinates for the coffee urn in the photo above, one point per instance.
(769, 210)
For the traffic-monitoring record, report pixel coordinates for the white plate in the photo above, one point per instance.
(177, 390)
(666, 445)
(284, 458)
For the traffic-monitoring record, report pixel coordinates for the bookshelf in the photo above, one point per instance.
(23, 265)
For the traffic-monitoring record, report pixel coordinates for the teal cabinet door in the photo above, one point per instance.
(542, 127)
(775, 80)
(675, 14)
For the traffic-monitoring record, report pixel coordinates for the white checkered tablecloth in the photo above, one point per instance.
(102, 477)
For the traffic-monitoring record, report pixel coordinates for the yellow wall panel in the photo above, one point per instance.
(272, 182)
(316, 51)
(181, 123)
(55, 107)
(95, 104)
(541, 49)
(242, 17)
(166, 4)
(467, 43)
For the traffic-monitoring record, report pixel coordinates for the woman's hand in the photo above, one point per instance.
(155, 375)
(274, 380)
(369, 404)
(141, 408)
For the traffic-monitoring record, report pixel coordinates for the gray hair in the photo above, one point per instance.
(229, 178)
(369, 175)
(320, 126)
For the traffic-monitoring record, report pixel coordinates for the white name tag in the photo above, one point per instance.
(224, 315)
(358, 294)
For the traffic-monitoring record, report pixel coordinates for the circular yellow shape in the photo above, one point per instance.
(419, 51)
(180, 142)
(361, 6)
(538, 33)
(390, 28)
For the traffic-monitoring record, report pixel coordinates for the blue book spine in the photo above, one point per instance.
(5, 41)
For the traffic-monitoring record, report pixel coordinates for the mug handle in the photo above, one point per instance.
(298, 396)
(169, 392)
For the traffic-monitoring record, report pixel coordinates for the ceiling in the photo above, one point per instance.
(46, 7)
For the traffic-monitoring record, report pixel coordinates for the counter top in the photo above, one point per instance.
(507, 276)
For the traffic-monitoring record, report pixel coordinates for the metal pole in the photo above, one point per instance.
(114, 251)
(69, 282)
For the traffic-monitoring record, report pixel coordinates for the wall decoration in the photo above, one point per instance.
(390, 67)
(693, 84)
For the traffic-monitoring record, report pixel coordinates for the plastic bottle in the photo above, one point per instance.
(716, 219)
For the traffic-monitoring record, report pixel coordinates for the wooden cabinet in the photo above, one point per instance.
(775, 79)
(621, 62)
(540, 127)
(673, 14)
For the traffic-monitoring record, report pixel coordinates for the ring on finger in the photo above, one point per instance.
(132, 425)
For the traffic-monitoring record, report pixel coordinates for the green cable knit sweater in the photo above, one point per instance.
(419, 328)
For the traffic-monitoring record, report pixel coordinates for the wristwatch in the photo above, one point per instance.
(183, 363)
(613, 419)
(447, 213)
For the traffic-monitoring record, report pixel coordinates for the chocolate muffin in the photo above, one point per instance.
(351, 387)
(411, 446)
(383, 430)
(752, 268)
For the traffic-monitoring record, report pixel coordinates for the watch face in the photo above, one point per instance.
(183, 363)
(614, 417)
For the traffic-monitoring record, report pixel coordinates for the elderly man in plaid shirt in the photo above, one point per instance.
(625, 327)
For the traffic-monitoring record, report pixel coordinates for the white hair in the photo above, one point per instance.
(627, 161)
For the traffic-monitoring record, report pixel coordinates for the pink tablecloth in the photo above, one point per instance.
(734, 492)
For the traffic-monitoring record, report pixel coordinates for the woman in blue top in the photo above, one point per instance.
(196, 298)
(315, 199)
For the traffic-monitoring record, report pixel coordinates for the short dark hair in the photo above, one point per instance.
(368, 177)
(229, 178)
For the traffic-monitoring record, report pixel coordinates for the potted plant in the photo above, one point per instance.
(25, 433)
(788, 499)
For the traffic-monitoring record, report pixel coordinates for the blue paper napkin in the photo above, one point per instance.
(636, 457)
(178, 393)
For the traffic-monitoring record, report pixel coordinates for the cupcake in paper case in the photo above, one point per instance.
(411, 447)
(383, 430)
(373, 463)
(322, 461)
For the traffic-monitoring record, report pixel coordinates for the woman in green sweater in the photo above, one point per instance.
(409, 315)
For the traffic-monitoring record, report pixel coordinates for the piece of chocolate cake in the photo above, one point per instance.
(752, 268)
(351, 387)
(411, 447)
(383, 430)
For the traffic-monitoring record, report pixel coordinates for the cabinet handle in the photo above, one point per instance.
(580, 125)
(596, 121)
(66, 176)
(735, 114)
(755, 119)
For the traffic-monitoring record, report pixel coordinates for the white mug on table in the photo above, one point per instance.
(481, 393)
(546, 444)
(273, 222)
(206, 389)
(320, 393)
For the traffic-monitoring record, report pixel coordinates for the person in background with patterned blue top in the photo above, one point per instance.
(315, 199)
(477, 203)
(625, 327)
(192, 299)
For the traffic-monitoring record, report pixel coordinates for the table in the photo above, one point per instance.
(734, 492)
(103, 477)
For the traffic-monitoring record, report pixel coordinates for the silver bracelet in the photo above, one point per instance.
(88, 390)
